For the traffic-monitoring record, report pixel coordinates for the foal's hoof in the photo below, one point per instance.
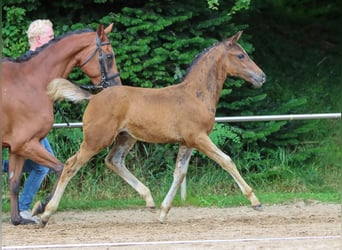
(42, 223)
(38, 208)
(258, 208)
(152, 209)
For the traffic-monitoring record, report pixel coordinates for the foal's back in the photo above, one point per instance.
(152, 115)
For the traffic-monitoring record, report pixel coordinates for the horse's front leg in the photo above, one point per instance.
(15, 168)
(182, 163)
(115, 161)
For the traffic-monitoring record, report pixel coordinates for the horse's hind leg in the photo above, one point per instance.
(182, 163)
(115, 161)
(206, 146)
(71, 167)
(16, 164)
(34, 151)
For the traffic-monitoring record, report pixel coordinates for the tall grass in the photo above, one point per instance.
(96, 186)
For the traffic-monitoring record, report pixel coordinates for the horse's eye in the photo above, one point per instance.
(109, 57)
(241, 56)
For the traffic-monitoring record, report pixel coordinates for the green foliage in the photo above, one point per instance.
(213, 4)
(222, 133)
(239, 6)
(155, 45)
(14, 40)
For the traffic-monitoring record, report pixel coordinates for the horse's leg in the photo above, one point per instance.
(72, 165)
(206, 146)
(182, 163)
(15, 168)
(35, 152)
(115, 161)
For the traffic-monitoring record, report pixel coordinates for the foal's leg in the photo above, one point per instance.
(182, 163)
(206, 146)
(115, 161)
(71, 167)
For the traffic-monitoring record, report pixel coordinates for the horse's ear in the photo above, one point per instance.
(236, 37)
(233, 39)
(109, 28)
(99, 30)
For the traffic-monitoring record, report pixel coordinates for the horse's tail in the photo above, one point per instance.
(60, 89)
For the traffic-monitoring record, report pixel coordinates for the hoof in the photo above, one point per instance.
(161, 221)
(42, 223)
(258, 208)
(22, 221)
(38, 208)
(152, 209)
(162, 218)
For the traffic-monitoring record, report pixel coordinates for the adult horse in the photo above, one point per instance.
(27, 111)
(183, 113)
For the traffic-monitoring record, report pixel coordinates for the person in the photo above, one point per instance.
(39, 33)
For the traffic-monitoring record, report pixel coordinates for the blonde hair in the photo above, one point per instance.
(36, 28)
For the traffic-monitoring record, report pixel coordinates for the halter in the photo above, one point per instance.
(104, 83)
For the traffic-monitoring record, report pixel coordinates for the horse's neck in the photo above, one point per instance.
(58, 59)
(206, 77)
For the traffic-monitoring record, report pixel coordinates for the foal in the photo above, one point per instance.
(183, 113)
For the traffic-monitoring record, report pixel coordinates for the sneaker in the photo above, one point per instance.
(27, 214)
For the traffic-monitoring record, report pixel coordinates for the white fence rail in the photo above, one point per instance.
(257, 118)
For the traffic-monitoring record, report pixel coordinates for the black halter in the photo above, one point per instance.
(104, 83)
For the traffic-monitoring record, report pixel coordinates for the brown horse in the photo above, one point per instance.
(27, 111)
(183, 113)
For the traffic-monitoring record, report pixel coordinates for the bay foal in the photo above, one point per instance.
(183, 113)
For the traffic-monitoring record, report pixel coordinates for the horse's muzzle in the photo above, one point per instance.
(112, 80)
(258, 80)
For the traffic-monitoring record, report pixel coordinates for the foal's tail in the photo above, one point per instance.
(60, 89)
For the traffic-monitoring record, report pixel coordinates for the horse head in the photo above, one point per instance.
(99, 64)
(239, 64)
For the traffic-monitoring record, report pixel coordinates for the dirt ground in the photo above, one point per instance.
(301, 225)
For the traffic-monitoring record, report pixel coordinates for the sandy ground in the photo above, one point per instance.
(301, 225)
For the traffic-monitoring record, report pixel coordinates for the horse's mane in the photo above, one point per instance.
(25, 57)
(198, 57)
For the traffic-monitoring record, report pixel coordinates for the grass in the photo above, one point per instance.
(72, 200)
(207, 185)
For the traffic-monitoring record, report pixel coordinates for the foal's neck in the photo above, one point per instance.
(205, 78)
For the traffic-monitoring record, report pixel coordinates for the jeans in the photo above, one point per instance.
(34, 180)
